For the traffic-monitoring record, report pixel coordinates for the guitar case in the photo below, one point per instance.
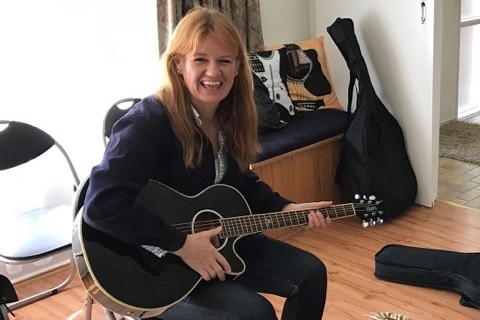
(374, 159)
(441, 269)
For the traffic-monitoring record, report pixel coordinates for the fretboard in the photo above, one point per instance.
(249, 224)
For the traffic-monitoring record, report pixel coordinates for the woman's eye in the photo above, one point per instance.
(225, 61)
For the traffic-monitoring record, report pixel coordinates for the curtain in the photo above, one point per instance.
(245, 14)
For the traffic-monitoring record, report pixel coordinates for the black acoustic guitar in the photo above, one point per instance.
(133, 281)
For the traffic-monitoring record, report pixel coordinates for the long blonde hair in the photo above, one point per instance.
(237, 113)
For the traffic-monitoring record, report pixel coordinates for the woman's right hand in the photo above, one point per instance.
(202, 256)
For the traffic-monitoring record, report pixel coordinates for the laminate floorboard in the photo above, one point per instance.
(348, 251)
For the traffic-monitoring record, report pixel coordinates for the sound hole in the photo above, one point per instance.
(206, 220)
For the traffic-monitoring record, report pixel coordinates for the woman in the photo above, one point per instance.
(198, 130)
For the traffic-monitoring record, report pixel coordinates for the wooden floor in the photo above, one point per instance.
(348, 250)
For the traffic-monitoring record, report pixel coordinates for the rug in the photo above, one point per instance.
(460, 140)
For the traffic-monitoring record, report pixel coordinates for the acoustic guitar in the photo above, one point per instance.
(132, 281)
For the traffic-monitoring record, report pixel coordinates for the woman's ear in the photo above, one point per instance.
(178, 63)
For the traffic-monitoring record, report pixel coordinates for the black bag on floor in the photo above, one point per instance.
(442, 269)
(374, 159)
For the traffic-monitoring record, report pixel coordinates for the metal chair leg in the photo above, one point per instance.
(46, 293)
(87, 308)
(3, 313)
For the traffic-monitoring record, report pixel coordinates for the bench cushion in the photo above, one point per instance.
(307, 128)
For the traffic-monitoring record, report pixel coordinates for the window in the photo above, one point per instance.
(469, 64)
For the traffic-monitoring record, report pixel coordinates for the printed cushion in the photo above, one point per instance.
(308, 80)
(269, 67)
(296, 77)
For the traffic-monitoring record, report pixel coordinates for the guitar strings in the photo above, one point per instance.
(257, 219)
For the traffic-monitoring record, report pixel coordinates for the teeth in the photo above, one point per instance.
(212, 83)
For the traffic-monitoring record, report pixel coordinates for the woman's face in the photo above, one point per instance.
(209, 72)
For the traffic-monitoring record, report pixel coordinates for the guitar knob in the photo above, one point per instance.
(357, 196)
(372, 198)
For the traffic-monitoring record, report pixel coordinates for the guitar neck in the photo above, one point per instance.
(249, 224)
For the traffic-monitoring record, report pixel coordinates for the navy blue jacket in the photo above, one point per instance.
(143, 146)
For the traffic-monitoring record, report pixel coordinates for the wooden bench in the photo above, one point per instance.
(303, 175)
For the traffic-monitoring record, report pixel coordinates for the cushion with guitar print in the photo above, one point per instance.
(304, 72)
(268, 67)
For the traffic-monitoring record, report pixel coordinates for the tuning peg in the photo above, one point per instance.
(357, 196)
(372, 198)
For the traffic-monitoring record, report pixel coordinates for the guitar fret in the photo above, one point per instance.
(245, 225)
(268, 222)
(305, 218)
(287, 219)
(242, 226)
(334, 213)
(302, 215)
(258, 224)
(253, 224)
(282, 222)
(275, 220)
(290, 218)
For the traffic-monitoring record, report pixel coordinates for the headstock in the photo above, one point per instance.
(370, 210)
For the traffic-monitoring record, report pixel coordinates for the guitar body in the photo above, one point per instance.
(132, 281)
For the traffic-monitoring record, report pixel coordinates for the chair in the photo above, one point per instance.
(115, 112)
(35, 230)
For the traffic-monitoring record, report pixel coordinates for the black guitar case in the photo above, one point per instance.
(374, 158)
(442, 269)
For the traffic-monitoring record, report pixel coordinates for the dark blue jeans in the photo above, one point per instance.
(273, 267)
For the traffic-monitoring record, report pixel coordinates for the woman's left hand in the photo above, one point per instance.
(315, 218)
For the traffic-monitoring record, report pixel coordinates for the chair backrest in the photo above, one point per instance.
(20, 146)
(115, 112)
(21, 142)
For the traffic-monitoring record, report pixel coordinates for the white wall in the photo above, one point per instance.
(450, 60)
(64, 63)
(287, 21)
